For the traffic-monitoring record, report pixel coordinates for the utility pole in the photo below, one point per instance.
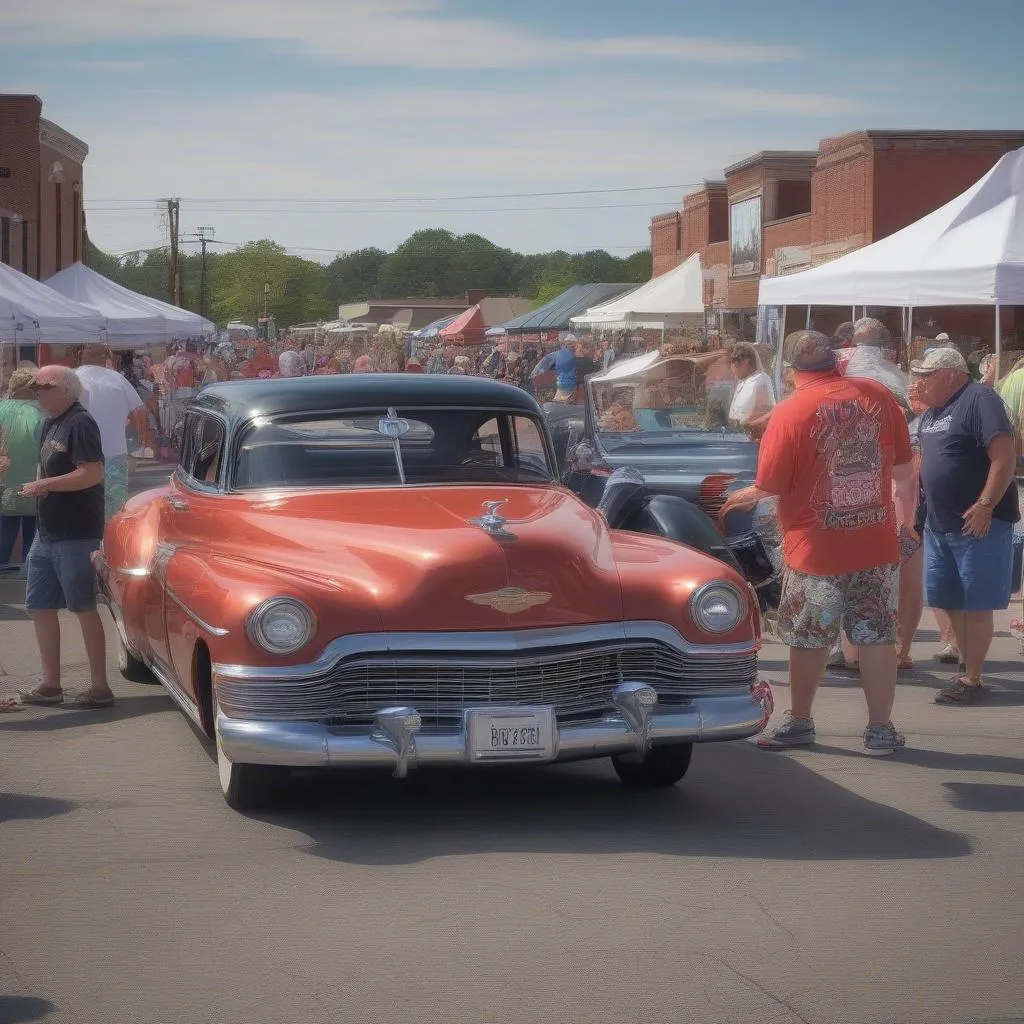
(204, 235)
(173, 206)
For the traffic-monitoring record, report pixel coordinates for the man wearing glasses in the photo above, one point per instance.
(69, 528)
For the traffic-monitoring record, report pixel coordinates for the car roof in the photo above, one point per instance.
(244, 399)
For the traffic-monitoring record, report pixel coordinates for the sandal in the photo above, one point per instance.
(87, 699)
(9, 705)
(905, 664)
(41, 696)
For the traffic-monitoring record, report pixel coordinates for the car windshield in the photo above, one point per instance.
(351, 449)
(656, 398)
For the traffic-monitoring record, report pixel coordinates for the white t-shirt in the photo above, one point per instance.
(110, 400)
(754, 397)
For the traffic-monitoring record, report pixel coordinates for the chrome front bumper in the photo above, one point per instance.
(399, 742)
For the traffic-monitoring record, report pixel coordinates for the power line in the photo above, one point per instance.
(422, 199)
(92, 210)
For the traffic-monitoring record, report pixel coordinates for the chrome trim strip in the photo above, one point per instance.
(137, 572)
(212, 630)
(311, 745)
(176, 693)
(499, 642)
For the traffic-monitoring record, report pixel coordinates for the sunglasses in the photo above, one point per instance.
(44, 387)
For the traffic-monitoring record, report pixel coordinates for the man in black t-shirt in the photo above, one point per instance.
(69, 529)
(968, 457)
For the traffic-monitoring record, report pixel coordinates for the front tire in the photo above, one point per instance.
(248, 787)
(131, 668)
(663, 766)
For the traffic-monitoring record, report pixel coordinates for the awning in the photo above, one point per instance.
(557, 314)
(467, 327)
(132, 319)
(31, 312)
(663, 302)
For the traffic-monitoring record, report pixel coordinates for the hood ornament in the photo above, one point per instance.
(510, 600)
(492, 522)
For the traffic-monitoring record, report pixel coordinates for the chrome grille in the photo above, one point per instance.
(578, 682)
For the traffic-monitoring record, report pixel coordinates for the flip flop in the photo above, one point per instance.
(81, 701)
(41, 698)
(9, 705)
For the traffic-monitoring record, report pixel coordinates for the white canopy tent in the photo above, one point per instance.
(31, 312)
(132, 319)
(661, 302)
(969, 252)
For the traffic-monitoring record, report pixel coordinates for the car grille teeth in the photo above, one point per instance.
(580, 683)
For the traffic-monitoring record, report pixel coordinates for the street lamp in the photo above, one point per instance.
(266, 296)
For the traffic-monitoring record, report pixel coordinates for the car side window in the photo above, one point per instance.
(202, 448)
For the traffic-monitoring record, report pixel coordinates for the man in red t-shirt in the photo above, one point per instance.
(830, 455)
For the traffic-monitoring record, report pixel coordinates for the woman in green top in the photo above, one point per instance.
(20, 422)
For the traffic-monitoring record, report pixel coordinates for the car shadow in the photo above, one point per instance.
(23, 806)
(21, 1009)
(57, 718)
(985, 797)
(735, 802)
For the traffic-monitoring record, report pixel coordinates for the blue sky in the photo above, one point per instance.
(328, 120)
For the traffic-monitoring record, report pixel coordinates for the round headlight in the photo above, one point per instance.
(281, 625)
(718, 607)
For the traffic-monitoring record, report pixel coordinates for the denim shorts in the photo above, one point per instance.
(60, 574)
(973, 574)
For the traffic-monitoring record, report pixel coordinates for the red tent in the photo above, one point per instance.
(468, 328)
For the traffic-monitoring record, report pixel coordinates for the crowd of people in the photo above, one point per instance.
(891, 492)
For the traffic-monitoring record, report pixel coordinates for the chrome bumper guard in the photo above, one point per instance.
(399, 741)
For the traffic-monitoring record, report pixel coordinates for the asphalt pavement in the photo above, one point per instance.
(816, 886)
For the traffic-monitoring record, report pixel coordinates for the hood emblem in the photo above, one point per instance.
(492, 521)
(510, 600)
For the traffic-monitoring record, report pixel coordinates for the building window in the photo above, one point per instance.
(58, 190)
(5, 240)
(76, 221)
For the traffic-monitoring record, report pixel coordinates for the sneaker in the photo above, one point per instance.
(961, 692)
(948, 655)
(883, 739)
(791, 732)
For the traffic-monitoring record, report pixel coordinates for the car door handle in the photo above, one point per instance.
(179, 504)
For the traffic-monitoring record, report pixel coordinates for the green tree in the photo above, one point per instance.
(353, 277)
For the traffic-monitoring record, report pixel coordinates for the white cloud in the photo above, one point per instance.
(385, 33)
(405, 143)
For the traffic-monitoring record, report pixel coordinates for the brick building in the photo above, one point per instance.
(782, 212)
(41, 219)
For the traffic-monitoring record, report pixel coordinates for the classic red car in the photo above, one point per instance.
(369, 570)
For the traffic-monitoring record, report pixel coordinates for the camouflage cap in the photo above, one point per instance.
(939, 359)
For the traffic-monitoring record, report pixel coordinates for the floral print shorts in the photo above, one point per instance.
(863, 604)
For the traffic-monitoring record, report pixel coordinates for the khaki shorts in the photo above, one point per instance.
(863, 604)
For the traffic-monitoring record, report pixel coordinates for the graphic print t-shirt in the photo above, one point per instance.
(68, 441)
(828, 453)
(954, 460)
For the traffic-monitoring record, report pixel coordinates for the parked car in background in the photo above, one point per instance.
(667, 417)
(384, 571)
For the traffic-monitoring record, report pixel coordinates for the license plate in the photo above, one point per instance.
(511, 734)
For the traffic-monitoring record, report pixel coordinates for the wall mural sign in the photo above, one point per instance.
(745, 237)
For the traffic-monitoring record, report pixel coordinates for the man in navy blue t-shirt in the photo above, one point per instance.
(968, 457)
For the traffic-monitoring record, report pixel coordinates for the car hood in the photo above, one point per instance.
(416, 555)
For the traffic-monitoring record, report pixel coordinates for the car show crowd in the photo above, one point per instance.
(892, 490)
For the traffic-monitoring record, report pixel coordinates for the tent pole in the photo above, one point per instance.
(780, 355)
(808, 323)
(999, 344)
